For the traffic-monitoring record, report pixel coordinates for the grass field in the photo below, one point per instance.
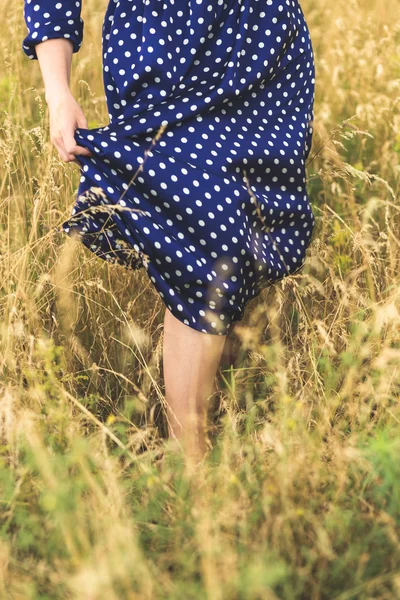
(300, 494)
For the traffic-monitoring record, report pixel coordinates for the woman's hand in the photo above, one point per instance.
(65, 116)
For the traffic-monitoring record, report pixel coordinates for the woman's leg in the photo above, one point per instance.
(190, 363)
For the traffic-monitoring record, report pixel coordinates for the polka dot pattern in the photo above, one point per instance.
(199, 177)
(48, 20)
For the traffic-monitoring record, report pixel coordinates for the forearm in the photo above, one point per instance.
(55, 58)
(54, 33)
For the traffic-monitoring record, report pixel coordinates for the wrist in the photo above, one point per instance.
(55, 94)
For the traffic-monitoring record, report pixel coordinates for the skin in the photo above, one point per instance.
(190, 361)
(190, 357)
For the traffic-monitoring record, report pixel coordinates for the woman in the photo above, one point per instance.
(213, 101)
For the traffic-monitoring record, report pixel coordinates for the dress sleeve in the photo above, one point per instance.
(47, 19)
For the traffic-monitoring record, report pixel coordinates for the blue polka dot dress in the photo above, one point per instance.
(199, 176)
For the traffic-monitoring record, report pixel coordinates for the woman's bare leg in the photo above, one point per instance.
(190, 362)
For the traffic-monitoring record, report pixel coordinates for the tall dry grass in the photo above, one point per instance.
(300, 495)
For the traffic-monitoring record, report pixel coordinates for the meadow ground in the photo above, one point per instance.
(300, 494)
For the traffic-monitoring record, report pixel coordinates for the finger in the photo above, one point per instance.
(59, 145)
(78, 150)
(82, 151)
(69, 144)
(72, 147)
(82, 122)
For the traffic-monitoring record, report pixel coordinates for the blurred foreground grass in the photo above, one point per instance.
(300, 496)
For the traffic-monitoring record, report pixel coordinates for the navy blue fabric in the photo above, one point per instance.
(199, 176)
